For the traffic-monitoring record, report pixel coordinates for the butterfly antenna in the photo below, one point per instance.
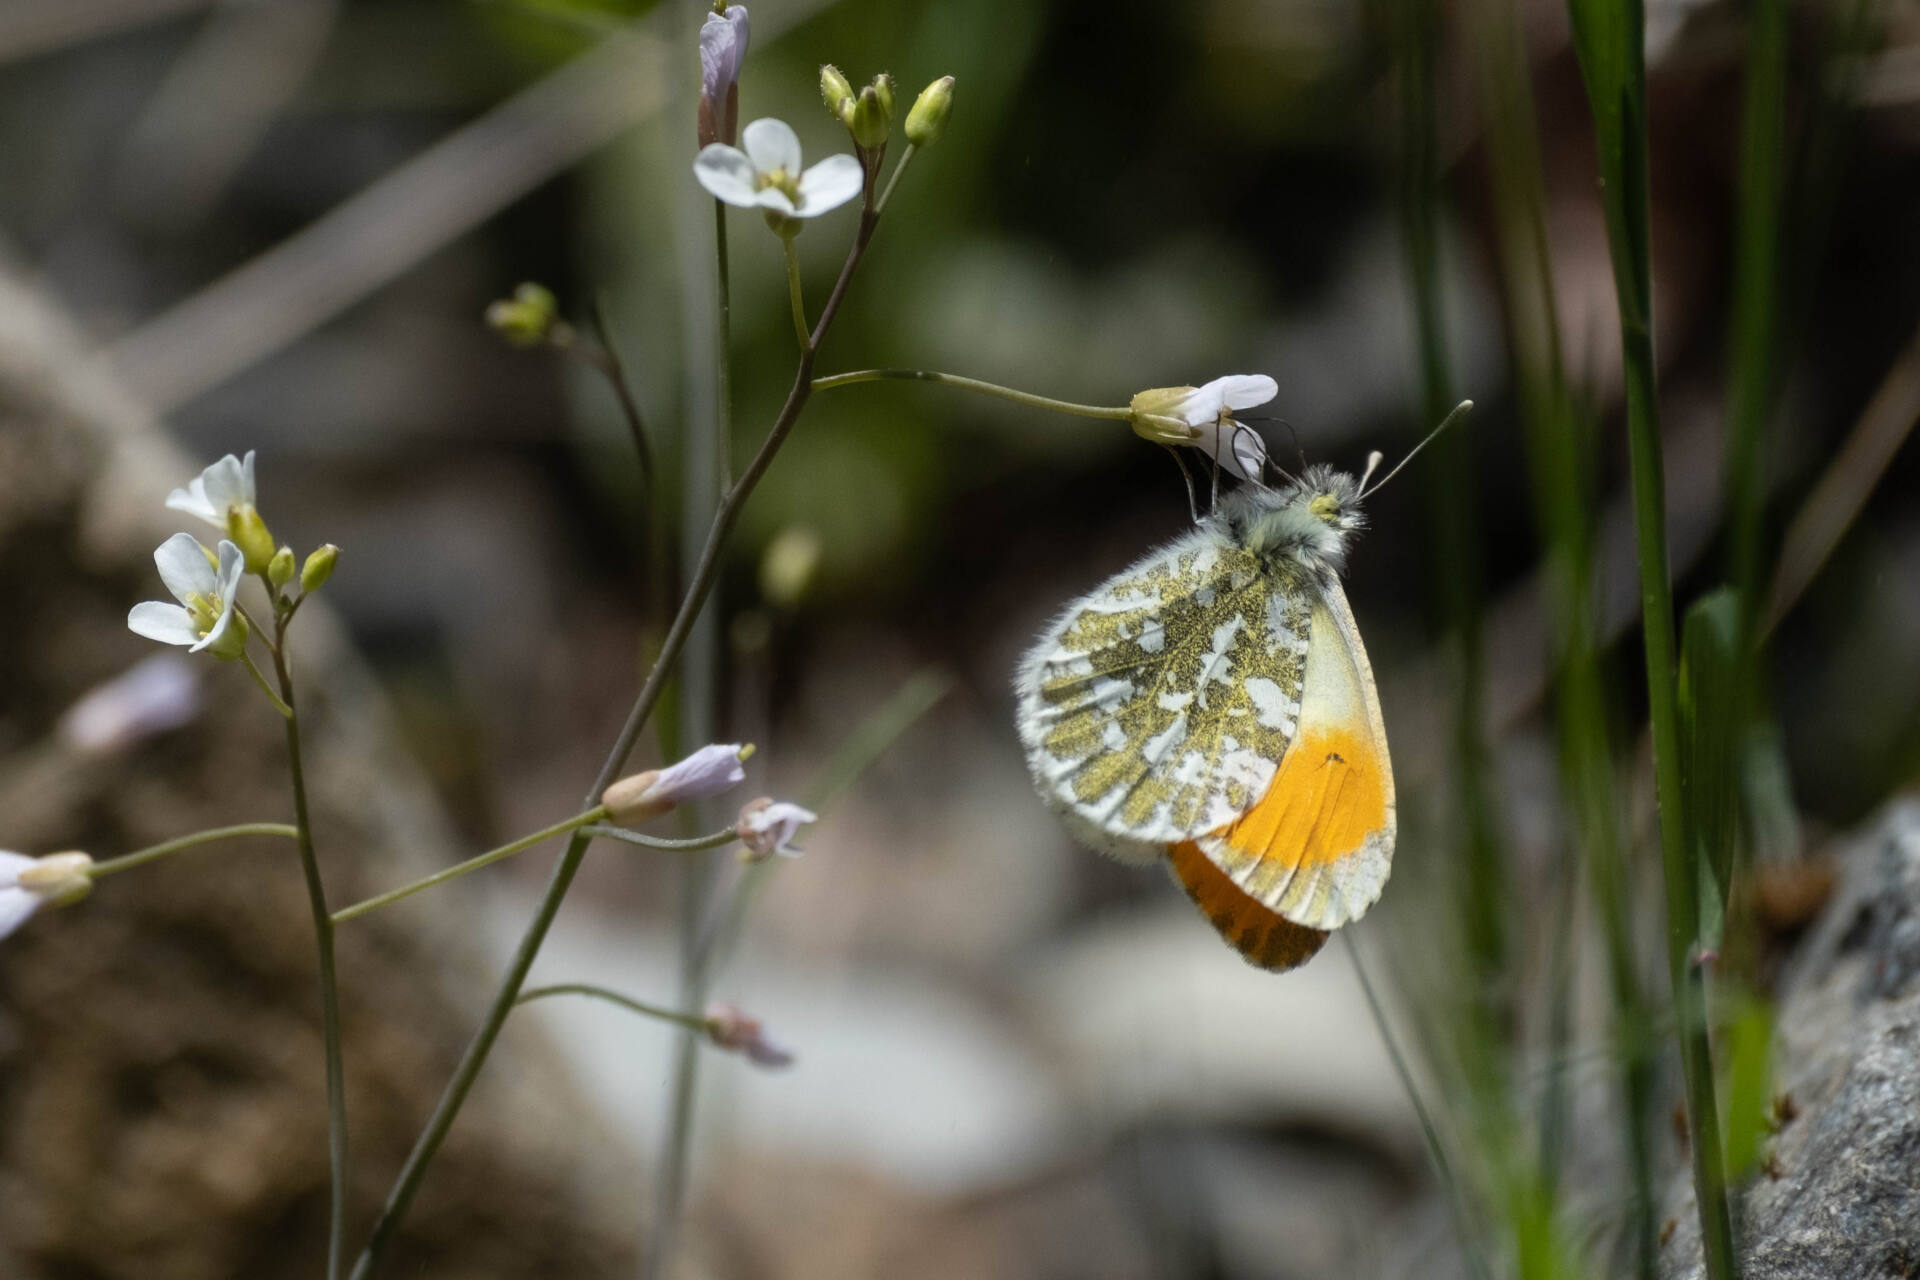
(1459, 411)
(1259, 476)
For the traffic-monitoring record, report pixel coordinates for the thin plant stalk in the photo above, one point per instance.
(795, 295)
(323, 939)
(595, 992)
(154, 852)
(1560, 459)
(472, 864)
(1609, 41)
(699, 585)
(1118, 413)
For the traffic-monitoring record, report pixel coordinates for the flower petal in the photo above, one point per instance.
(771, 144)
(15, 906)
(1244, 390)
(11, 865)
(1238, 447)
(167, 623)
(193, 501)
(727, 174)
(183, 566)
(707, 772)
(775, 199)
(233, 564)
(723, 44)
(229, 483)
(156, 694)
(829, 184)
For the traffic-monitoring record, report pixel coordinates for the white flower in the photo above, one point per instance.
(28, 883)
(1203, 417)
(205, 617)
(723, 47)
(707, 772)
(728, 1028)
(768, 826)
(767, 175)
(160, 693)
(223, 486)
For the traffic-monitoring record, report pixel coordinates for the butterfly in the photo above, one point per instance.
(1213, 706)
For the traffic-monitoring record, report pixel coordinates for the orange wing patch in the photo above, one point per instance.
(1264, 937)
(1328, 797)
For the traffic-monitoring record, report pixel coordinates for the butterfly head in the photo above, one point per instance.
(1309, 520)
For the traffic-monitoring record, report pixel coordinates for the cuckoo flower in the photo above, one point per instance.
(205, 618)
(768, 827)
(707, 772)
(26, 884)
(223, 486)
(1203, 417)
(767, 174)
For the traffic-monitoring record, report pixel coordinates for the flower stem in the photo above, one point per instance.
(718, 839)
(687, 1020)
(154, 852)
(407, 1185)
(1118, 412)
(723, 346)
(459, 869)
(607, 360)
(329, 979)
(795, 295)
(278, 704)
(905, 158)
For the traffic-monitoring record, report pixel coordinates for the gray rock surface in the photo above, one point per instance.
(1840, 1199)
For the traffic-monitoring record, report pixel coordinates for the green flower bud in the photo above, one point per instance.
(280, 569)
(835, 90)
(883, 89)
(249, 532)
(318, 568)
(867, 120)
(929, 114)
(529, 318)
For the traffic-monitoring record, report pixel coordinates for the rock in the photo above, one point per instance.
(1840, 1196)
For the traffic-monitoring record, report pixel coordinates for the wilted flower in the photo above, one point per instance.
(205, 617)
(767, 174)
(707, 772)
(1203, 418)
(152, 696)
(723, 47)
(728, 1028)
(768, 827)
(28, 883)
(223, 486)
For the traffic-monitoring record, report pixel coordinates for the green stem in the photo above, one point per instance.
(329, 979)
(278, 704)
(607, 360)
(407, 1185)
(687, 1020)
(154, 852)
(795, 294)
(1608, 38)
(459, 869)
(717, 840)
(906, 157)
(1118, 413)
(1436, 1150)
(723, 347)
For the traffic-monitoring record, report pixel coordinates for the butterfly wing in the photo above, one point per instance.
(1156, 708)
(1317, 845)
(1264, 936)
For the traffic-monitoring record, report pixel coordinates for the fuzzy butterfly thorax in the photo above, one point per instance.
(1308, 521)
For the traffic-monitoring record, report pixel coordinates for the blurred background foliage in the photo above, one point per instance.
(1128, 195)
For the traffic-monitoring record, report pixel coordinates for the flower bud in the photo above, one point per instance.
(883, 90)
(707, 772)
(59, 878)
(318, 568)
(929, 114)
(866, 119)
(835, 90)
(1159, 415)
(729, 1028)
(529, 318)
(249, 532)
(280, 568)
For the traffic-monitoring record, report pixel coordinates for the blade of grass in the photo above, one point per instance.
(1609, 41)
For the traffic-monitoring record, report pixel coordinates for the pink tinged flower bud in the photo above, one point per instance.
(734, 1031)
(707, 772)
(147, 698)
(723, 46)
(767, 827)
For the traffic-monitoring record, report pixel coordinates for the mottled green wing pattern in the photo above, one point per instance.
(1158, 707)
